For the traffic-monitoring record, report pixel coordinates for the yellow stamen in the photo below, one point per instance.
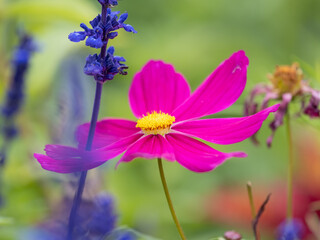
(155, 123)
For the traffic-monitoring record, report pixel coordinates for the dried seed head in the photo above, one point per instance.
(287, 79)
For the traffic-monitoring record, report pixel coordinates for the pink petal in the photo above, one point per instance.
(197, 156)
(225, 130)
(150, 146)
(119, 147)
(157, 87)
(107, 132)
(220, 90)
(63, 159)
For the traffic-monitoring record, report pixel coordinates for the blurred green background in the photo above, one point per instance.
(195, 36)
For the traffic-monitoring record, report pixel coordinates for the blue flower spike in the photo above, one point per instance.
(103, 68)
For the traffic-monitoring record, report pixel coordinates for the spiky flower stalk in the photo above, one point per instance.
(102, 67)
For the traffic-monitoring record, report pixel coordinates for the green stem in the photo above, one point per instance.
(166, 191)
(253, 210)
(290, 169)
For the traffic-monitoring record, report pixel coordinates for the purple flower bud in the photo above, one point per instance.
(98, 32)
(95, 22)
(123, 17)
(129, 28)
(77, 36)
(15, 94)
(279, 115)
(108, 28)
(84, 27)
(93, 66)
(313, 107)
(119, 59)
(103, 219)
(94, 42)
(111, 50)
(112, 35)
(114, 23)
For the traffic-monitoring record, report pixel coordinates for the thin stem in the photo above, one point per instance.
(166, 191)
(249, 190)
(82, 180)
(253, 211)
(93, 123)
(290, 169)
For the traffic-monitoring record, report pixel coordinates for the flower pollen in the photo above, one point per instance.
(156, 123)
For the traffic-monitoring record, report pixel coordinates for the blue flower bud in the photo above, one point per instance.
(95, 22)
(115, 23)
(22, 56)
(112, 35)
(77, 36)
(119, 59)
(129, 28)
(93, 66)
(123, 17)
(113, 2)
(111, 50)
(98, 32)
(103, 218)
(82, 25)
(94, 42)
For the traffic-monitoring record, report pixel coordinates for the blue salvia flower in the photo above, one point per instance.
(15, 94)
(96, 219)
(103, 67)
(20, 63)
(291, 230)
(106, 67)
(103, 219)
(94, 35)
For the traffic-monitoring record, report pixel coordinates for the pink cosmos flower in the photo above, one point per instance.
(168, 122)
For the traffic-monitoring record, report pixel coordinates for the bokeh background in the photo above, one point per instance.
(195, 36)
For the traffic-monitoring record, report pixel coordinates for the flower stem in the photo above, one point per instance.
(253, 211)
(290, 169)
(166, 191)
(82, 180)
(249, 190)
(93, 123)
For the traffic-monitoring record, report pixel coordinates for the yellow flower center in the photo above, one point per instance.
(287, 79)
(155, 123)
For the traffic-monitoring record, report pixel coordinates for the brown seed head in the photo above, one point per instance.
(287, 79)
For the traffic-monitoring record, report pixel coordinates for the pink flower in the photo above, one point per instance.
(168, 121)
